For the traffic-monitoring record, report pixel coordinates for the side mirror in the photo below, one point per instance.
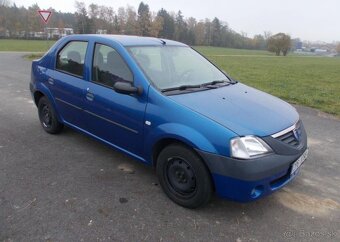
(127, 88)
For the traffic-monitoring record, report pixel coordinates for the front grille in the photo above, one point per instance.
(291, 135)
(289, 138)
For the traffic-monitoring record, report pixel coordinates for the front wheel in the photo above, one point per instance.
(48, 117)
(184, 177)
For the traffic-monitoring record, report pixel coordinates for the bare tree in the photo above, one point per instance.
(199, 33)
(121, 19)
(82, 18)
(156, 26)
(338, 48)
(5, 3)
(267, 35)
(131, 26)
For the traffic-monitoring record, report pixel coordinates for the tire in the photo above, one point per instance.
(48, 118)
(184, 177)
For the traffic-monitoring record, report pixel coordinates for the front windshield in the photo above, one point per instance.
(174, 66)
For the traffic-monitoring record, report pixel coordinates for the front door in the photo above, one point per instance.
(113, 117)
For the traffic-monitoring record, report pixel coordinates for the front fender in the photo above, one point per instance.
(179, 132)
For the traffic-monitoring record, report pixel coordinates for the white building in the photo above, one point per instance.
(56, 33)
(101, 31)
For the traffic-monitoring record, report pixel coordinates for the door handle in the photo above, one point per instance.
(89, 96)
(50, 81)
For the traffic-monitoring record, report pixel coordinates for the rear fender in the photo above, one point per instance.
(41, 87)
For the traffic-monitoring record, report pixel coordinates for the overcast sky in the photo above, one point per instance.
(307, 19)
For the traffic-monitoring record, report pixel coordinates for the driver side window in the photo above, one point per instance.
(109, 67)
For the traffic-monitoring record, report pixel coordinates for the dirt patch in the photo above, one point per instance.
(313, 142)
(127, 168)
(305, 204)
(328, 116)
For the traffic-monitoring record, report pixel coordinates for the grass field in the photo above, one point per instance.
(309, 81)
(25, 45)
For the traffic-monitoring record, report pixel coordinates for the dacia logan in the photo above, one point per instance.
(167, 106)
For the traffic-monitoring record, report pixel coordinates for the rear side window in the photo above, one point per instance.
(109, 67)
(71, 58)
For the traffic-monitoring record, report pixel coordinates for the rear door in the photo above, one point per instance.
(67, 81)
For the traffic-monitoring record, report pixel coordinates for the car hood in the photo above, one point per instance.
(242, 109)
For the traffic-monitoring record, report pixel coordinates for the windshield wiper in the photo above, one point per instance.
(213, 82)
(204, 85)
(227, 82)
(181, 88)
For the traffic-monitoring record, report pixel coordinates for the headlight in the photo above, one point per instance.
(247, 147)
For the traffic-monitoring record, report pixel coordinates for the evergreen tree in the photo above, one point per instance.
(144, 19)
(168, 24)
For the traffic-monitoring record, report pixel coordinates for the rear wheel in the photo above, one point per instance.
(184, 177)
(48, 117)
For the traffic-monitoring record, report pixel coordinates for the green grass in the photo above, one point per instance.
(34, 56)
(209, 51)
(25, 45)
(309, 81)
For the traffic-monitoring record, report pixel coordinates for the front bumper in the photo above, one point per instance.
(247, 180)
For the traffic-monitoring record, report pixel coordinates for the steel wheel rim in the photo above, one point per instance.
(46, 116)
(181, 177)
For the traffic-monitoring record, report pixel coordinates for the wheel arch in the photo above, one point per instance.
(168, 133)
(162, 143)
(42, 91)
(37, 95)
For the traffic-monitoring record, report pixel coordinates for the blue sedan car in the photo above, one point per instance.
(167, 106)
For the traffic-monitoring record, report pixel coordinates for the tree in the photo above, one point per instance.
(61, 25)
(259, 42)
(131, 26)
(106, 19)
(116, 27)
(121, 20)
(216, 32)
(180, 27)
(191, 24)
(279, 43)
(93, 12)
(5, 3)
(267, 35)
(168, 24)
(338, 48)
(156, 26)
(83, 22)
(34, 23)
(208, 32)
(199, 33)
(144, 19)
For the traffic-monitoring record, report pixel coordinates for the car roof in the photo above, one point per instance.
(130, 40)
